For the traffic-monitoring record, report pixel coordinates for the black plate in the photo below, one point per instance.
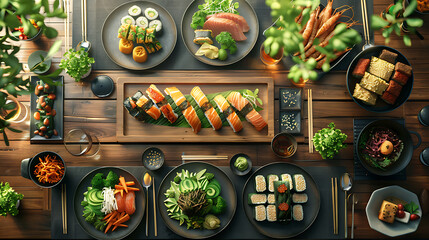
(135, 219)
(58, 106)
(244, 47)
(380, 105)
(277, 229)
(227, 192)
(167, 37)
(407, 152)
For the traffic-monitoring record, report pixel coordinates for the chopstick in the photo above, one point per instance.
(365, 21)
(154, 207)
(333, 202)
(336, 206)
(310, 120)
(64, 207)
(204, 157)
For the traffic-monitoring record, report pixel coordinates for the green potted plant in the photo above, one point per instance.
(11, 82)
(397, 19)
(77, 64)
(9, 200)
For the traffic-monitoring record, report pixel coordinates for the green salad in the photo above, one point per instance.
(194, 199)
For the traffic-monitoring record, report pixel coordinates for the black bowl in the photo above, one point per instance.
(153, 158)
(380, 106)
(407, 152)
(235, 170)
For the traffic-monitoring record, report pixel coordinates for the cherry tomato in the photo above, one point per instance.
(400, 207)
(400, 214)
(37, 115)
(46, 122)
(414, 217)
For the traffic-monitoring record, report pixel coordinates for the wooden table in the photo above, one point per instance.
(331, 102)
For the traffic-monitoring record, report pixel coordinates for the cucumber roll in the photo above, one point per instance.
(134, 11)
(260, 213)
(271, 213)
(142, 22)
(128, 20)
(156, 24)
(255, 198)
(260, 183)
(151, 13)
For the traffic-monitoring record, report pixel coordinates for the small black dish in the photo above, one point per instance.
(153, 158)
(102, 86)
(424, 157)
(235, 170)
(290, 98)
(290, 121)
(423, 116)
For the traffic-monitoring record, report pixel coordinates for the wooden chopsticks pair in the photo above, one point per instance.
(310, 120)
(334, 190)
(203, 157)
(64, 207)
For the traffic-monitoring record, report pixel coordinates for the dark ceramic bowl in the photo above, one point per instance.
(28, 165)
(278, 147)
(153, 158)
(235, 170)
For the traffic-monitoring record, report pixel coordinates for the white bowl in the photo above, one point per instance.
(396, 228)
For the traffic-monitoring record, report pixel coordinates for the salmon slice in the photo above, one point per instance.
(231, 117)
(246, 108)
(186, 108)
(218, 25)
(160, 102)
(207, 108)
(130, 203)
(148, 107)
(120, 201)
(240, 20)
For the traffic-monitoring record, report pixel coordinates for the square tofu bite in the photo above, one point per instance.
(381, 68)
(361, 67)
(388, 56)
(373, 84)
(394, 88)
(387, 212)
(364, 95)
(404, 68)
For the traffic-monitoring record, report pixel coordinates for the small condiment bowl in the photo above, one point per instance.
(153, 158)
(235, 170)
(280, 144)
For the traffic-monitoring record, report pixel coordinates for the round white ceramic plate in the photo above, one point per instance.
(396, 228)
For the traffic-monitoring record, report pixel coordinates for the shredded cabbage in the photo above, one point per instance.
(109, 203)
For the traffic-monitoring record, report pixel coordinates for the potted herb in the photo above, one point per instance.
(77, 64)
(329, 141)
(9, 200)
(397, 19)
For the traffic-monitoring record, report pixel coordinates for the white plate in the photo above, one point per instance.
(396, 228)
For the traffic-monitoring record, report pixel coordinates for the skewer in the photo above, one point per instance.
(64, 207)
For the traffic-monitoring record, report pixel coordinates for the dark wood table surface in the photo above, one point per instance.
(331, 102)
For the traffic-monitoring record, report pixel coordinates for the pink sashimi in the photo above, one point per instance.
(120, 201)
(130, 203)
(240, 20)
(218, 25)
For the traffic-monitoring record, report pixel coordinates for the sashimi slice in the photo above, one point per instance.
(130, 203)
(244, 106)
(231, 117)
(240, 20)
(186, 108)
(207, 108)
(120, 201)
(218, 25)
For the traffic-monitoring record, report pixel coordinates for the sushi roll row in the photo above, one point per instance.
(262, 213)
(298, 183)
(260, 198)
(142, 21)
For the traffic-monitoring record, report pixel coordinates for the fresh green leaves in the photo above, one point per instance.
(253, 98)
(8, 200)
(216, 6)
(328, 141)
(198, 19)
(226, 42)
(412, 208)
(76, 63)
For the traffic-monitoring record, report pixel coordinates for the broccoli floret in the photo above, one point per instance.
(100, 224)
(219, 205)
(177, 179)
(97, 181)
(84, 203)
(209, 176)
(111, 180)
(90, 218)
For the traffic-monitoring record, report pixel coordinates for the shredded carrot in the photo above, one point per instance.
(108, 215)
(120, 187)
(115, 213)
(121, 225)
(130, 183)
(108, 226)
(114, 228)
(49, 170)
(122, 219)
(122, 181)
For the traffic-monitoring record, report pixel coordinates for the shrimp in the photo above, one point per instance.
(327, 13)
(313, 32)
(322, 44)
(332, 20)
(310, 25)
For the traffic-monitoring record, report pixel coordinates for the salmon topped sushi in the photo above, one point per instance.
(230, 115)
(158, 98)
(185, 107)
(148, 107)
(247, 110)
(207, 108)
(218, 25)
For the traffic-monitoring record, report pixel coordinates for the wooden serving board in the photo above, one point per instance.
(129, 129)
